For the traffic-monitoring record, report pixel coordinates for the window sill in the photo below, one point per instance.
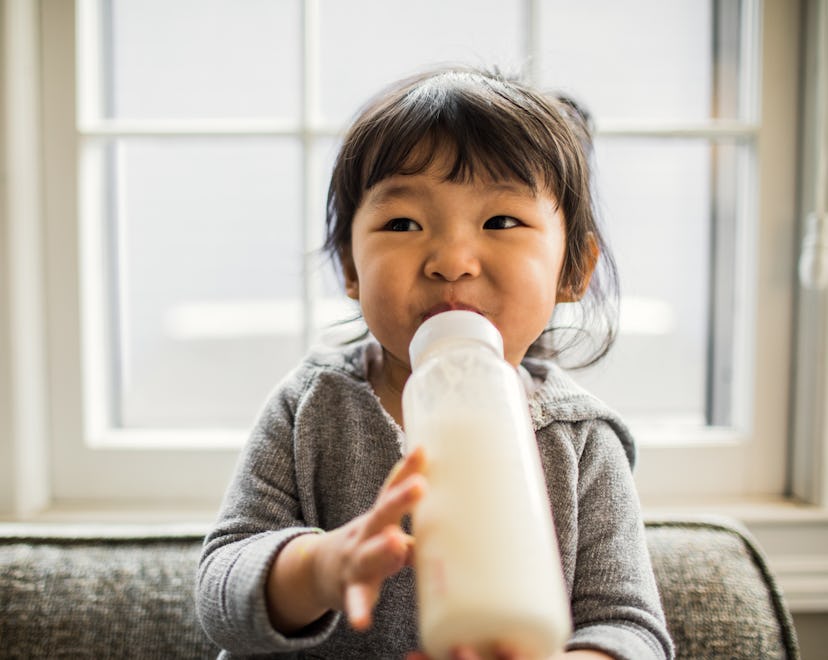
(749, 510)
(792, 535)
(115, 518)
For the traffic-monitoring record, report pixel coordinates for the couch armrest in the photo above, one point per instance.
(720, 598)
(104, 597)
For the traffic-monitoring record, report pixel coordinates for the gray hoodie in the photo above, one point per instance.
(317, 458)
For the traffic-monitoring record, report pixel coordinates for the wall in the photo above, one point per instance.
(6, 482)
(812, 629)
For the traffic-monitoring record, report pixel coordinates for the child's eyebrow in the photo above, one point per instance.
(384, 192)
(387, 191)
(513, 188)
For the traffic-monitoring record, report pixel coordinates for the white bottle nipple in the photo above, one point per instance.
(452, 325)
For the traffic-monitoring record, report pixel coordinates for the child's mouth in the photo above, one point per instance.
(447, 307)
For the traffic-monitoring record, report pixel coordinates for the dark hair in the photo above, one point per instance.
(501, 129)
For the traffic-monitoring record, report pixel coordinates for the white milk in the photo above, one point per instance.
(487, 562)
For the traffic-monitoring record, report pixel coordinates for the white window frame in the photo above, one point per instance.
(55, 451)
(91, 461)
(55, 465)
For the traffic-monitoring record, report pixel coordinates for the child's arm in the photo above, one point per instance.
(344, 569)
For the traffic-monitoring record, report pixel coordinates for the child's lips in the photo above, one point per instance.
(448, 307)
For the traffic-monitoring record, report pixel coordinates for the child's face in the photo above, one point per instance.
(421, 245)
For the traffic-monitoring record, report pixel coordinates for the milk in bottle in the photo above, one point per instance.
(487, 561)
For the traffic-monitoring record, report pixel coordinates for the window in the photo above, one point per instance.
(197, 162)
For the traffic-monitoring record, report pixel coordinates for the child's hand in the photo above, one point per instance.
(503, 653)
(467, 653)
(354, 560)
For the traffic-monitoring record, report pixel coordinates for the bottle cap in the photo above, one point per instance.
(451, 326)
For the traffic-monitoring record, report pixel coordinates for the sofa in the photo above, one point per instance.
(94, 593)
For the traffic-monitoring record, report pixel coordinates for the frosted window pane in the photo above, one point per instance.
(209, 274)
(207, 286)
(641, 59)
(366, 44)
(656, 202)
(203, 58)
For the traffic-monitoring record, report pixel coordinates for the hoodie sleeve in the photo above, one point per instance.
(259, 515)
(615, 603)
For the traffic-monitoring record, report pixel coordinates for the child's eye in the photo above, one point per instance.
(401, 224)
(501, 222)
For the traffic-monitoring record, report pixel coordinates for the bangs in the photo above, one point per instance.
(480, 133)
(463, 160)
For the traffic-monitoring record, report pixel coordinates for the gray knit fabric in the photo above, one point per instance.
(99, 598)
(318, 457)
(722, 583)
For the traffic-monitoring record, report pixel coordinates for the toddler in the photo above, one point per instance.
(454, 189)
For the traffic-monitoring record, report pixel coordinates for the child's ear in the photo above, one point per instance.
(573, 291)
(349, 274)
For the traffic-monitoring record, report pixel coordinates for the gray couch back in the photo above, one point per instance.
(100, 597)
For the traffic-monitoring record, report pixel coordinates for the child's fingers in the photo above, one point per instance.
(505, 652)
(501, 652)
(393, 503)
(468, 653)
(359, 603)
(382, 547)
(411, 463)
(376, 558)
(382, 555)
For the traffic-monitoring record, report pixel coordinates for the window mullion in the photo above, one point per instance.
(309, 105)
(532, 39)
(809, 456)
(711, 130)
(193, 128)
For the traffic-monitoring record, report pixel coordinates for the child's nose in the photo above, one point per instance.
(452, 260)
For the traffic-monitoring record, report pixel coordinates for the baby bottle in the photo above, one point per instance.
(487, 561)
